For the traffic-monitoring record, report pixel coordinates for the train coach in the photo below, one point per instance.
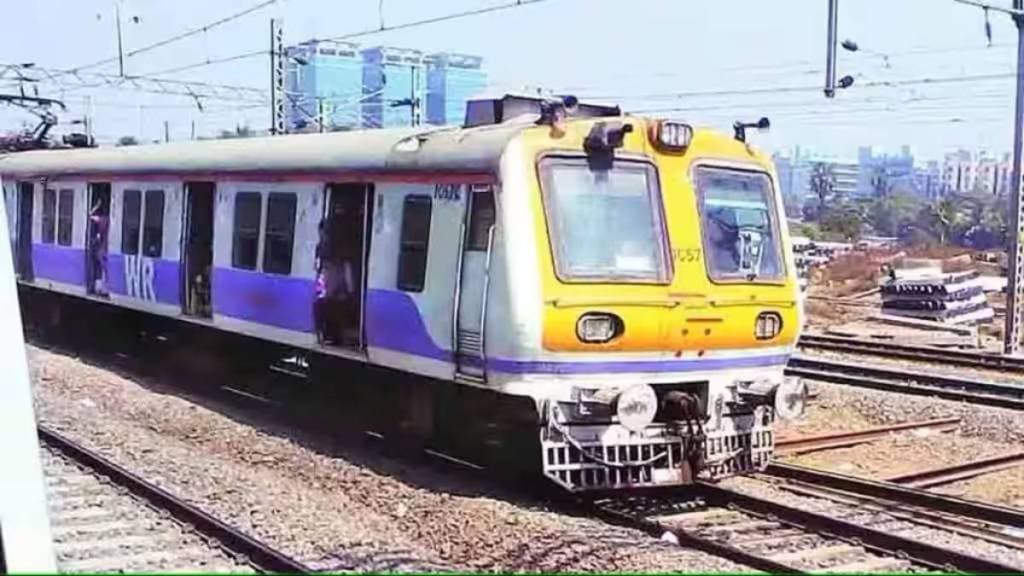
(621, 289)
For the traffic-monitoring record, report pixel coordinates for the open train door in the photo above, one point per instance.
(25, 541)
(23, 251)
(197, 249)
(474, 271)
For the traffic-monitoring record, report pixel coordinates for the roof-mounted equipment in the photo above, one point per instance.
(740, 128)
(603, 139)
(486, 111)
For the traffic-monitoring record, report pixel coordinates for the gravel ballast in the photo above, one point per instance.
(327, 505)
(985, 431)
(882, 521)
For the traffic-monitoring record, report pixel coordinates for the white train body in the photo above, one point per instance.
(461, 296)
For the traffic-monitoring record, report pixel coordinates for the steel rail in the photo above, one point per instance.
(957, 472)
(878, 541)
(922, 516)
(908, 382)
(260, 554)
(657, 529)
(932, 354)
(992, 513)
(804, 444)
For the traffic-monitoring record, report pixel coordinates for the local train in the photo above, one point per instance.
(623, 285)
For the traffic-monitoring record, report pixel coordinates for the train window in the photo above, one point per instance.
(246, 242)
(605, 224)
(65, 216)
(481, 218)
(153, 224)
(415, 239)
(739, 223)
(131, 219)
(280, 233)
(49, 215)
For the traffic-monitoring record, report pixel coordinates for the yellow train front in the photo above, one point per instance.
(644, 295)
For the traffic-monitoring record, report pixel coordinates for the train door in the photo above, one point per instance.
(197, 253)
(471, 297)
(342, 257)
(24, 244)
(98, 229)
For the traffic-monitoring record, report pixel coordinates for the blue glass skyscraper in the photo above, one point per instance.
(324, 78)
(347, 87)
(452, 79)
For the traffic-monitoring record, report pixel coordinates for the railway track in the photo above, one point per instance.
(1000, 525)
(907, 381)
(935, 355)
(105, 519)
(765, 534)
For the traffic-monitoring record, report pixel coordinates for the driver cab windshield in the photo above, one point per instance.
(740, 226)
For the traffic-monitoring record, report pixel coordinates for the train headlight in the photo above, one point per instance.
(597, 328)
(767, 326)
(636, 407)
(671, 136)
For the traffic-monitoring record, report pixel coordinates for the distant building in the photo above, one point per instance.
(452, 79)
(795, 171)
(966, 172)
(393, 78)
(928, 180)
(895, 171)
(339, 85)
(323, 78)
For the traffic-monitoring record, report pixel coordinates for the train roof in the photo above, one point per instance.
(452, 149)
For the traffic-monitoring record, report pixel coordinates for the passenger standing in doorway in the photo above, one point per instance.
(98, 247)
(335, 290)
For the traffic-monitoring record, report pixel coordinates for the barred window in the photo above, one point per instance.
(280, 233)
(415, 240)
(246, 236)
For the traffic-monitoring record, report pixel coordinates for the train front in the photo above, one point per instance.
(661, 295)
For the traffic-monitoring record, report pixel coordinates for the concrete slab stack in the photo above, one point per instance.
(954, 298)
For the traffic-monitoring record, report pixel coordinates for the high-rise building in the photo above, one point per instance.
(394, 87)
(966, 172)
(323, 85)
(339, 85)
(452, 79)
(796, 170)
(888, 171)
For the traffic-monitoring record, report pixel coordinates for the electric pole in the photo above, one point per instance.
(1015, 256)
(277, 80)
(830, 48)
(120, 47)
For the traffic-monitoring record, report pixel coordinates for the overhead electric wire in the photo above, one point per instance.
(935, 80)
(370, 31)
(803, 66)
(181, 36)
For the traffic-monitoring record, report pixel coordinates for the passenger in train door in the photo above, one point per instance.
(100, 224)
(336, 290)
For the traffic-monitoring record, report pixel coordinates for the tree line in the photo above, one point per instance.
(976, 220)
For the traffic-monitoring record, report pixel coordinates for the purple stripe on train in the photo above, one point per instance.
(394, 322)
(150, 279)
(279, 301)
(59, 263)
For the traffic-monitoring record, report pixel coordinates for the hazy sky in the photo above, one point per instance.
(924, 75)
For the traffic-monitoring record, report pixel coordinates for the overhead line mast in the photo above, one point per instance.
(1015, 256)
